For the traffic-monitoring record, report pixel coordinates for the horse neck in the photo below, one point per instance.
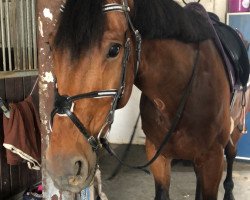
(165, 69)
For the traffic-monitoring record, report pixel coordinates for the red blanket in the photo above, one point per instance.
(22, 137)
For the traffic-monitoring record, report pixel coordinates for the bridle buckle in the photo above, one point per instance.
(94, 143)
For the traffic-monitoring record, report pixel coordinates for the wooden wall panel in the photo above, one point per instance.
(14, 179)
(4, 168)
(14, 93)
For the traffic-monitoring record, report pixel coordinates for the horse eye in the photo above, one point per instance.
(114, 50)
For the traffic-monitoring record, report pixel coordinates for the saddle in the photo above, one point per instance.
(234, 48)
(230, 45)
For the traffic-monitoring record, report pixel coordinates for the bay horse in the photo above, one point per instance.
(100, 49)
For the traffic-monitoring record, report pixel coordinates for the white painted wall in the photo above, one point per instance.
(125, 118)
(124, 123)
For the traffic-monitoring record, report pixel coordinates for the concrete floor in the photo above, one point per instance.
(137, 185)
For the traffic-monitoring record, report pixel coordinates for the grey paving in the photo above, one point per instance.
(136, 185)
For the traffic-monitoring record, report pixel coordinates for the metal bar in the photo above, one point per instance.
(8, 33)
(18, 36)
(16, 74)
(12, 32)
(3, 34)
(33, 10)
(22, 34)
(29, 42)
(15, 31)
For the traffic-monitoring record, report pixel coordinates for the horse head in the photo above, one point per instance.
(95, 62)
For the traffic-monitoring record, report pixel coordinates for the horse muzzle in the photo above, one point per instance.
(73, 174)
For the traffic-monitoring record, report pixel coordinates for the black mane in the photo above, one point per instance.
(82, 23)
(163, 19)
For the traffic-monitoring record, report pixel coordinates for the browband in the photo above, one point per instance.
(115, 7)
(108, 7)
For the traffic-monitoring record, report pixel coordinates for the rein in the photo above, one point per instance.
(64, 105)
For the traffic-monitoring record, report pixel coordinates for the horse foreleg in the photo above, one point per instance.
(209, 170)
(161, 169)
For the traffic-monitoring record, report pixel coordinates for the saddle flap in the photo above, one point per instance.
(234, 48)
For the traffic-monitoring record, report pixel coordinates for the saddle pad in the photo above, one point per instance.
(234, 55)
(234, 48)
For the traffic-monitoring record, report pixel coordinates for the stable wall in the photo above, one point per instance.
(15, 179)
(125, 118)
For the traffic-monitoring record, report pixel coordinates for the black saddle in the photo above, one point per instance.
(234, 48)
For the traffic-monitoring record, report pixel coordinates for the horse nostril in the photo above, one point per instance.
(78, 167)
(75, 180)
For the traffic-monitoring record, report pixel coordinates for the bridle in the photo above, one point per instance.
(64, 105)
